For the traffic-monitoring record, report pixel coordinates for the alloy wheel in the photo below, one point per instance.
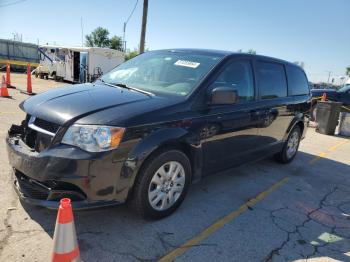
(292, 144)
(166, 185)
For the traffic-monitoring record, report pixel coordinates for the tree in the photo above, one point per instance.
(251, 51)
(98, 37)
(131, 54)
(348, 71)
(300, 63)
(116, 43)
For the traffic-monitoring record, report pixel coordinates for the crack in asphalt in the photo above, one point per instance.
(308, 219)
(165, 244)
(90, 232)
(136, 257)
(8, 229)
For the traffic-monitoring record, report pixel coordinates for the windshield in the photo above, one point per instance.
(163, 73)
(344, 89)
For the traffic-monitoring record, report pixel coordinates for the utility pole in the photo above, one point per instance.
(124, 42)
(82, 31)
(143, 28)
(329, 76)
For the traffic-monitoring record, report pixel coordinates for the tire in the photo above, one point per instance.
(287, 155)
(150, 186)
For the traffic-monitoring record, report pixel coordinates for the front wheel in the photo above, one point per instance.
(161, 185)
(291, 146)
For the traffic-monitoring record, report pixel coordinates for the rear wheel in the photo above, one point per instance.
(161, 185)
(290, 148)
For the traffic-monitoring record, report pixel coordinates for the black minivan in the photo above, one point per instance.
(155, 124)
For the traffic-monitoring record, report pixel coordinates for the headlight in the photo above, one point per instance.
(93, 138)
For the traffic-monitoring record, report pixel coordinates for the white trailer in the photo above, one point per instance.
(77, 64)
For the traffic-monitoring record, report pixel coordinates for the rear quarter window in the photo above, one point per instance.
(271, 79)
(297, 81)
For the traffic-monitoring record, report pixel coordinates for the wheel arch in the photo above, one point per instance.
(176, 139)
(297, 121)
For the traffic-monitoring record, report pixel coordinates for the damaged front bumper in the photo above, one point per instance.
(35, 193)
(43, 178)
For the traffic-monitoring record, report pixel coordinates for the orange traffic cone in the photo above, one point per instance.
(65, 244)
(29, 82)
(8, 76)
(4, 92)
(324, 97)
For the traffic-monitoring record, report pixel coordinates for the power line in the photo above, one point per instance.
(13, 3)
(132, 12)
(126, 22)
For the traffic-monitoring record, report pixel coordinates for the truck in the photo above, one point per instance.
(76, 64)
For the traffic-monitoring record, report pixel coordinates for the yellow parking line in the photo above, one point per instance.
(226, 219)
(335, 147)
(330, 149)
(221, 222)
(316, 158)
(11, 112)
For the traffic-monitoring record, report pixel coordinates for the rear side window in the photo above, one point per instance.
(271, 79)
(297, 82)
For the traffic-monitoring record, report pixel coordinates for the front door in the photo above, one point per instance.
(231, 132)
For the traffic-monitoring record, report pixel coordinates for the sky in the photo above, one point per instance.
(315, 32)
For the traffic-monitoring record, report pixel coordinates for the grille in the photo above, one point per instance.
(51, 127)
(48, 190)
(30, 189)
(35, 136)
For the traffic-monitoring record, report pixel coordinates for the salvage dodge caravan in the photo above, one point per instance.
(155, 124)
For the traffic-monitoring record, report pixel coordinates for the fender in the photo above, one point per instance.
(169, 136)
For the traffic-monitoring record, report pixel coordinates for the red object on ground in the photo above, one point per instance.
(8, 77)
(29, 80)
(65, 244)
(4, 92)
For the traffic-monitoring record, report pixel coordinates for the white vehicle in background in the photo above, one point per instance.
(77, 64)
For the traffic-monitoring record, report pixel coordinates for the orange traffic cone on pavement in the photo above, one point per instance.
(324, 97)
(4, 92)
(8, 76)
(29, 82)
(65, 244)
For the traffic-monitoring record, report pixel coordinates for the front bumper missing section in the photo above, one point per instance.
(22, 188)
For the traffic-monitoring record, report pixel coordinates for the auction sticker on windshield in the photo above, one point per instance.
(187, 63)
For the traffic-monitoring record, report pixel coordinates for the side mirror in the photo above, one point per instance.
(223, 96)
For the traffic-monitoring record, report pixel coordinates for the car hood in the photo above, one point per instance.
(65, 105)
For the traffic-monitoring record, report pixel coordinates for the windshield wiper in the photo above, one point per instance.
(122, 85)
